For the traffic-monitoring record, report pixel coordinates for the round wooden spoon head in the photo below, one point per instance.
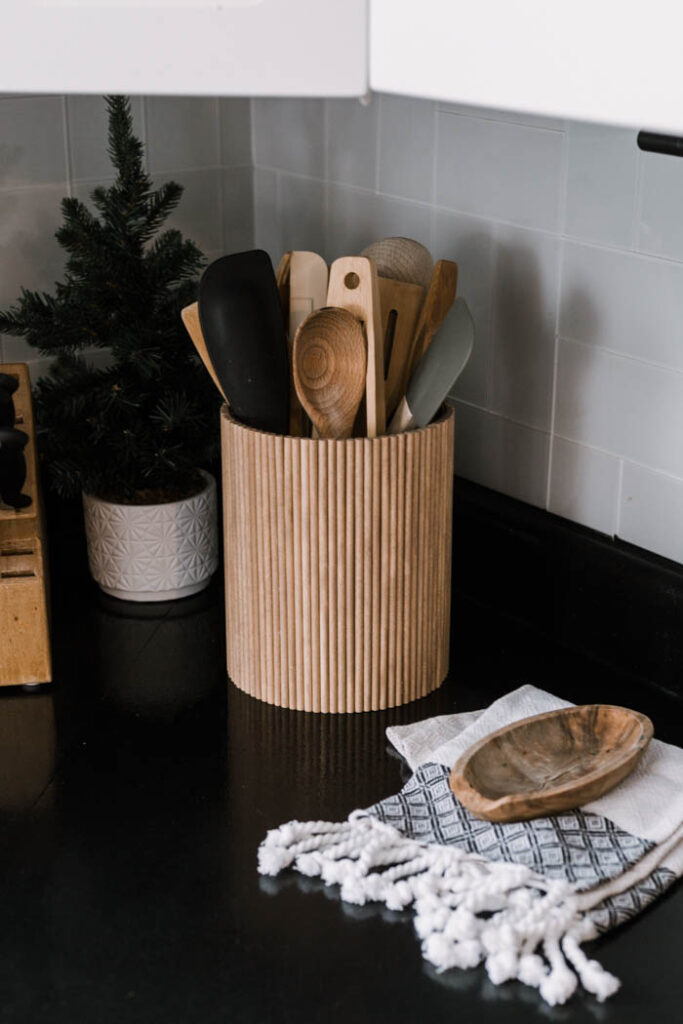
(402, 259)
(329, 364)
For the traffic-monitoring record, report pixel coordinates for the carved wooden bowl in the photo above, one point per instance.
(550, 762)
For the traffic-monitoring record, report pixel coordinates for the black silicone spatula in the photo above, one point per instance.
(242, 324)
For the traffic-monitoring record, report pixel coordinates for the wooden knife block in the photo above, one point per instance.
(337, 565)
(24, 633)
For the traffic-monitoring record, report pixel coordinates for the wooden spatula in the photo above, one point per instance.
(190, 317)
(282, 282)
(400, 304)
(354, 286)
(438, 301)
(308, 279)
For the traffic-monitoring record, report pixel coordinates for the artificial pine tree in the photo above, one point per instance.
(138, 429)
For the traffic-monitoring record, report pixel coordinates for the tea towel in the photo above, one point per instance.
(520, 897)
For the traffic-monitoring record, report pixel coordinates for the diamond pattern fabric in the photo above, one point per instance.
(585, 849)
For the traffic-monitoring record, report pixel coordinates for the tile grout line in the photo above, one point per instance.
(145, 133)
(616, 354)
(620, 492)
(562, 221)
(378, 143)
(220, 203)
(252, 168)
(67, 146)
(326, 180)
(637, 208)
(435, 156)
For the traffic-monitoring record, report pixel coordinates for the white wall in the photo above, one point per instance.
(570, 248)
(53, 146)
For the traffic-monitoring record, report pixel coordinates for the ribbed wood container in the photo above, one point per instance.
(337, 566)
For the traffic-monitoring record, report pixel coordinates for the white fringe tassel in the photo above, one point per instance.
(525, 913)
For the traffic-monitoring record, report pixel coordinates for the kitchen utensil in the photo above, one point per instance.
(550, 762)
(308, 277)
(354, 286)
(190, 317)
(401, 259)
(437, 372)
(282, 281)
(438, 301)
(330, 362)
(400, 304)
(241, 320)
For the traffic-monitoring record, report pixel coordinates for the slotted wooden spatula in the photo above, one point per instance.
(354, 286)
(400, 303)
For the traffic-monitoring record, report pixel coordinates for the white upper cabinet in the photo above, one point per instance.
(224, 47)
(612, 61)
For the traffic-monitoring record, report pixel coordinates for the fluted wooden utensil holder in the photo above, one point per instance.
(337, 565)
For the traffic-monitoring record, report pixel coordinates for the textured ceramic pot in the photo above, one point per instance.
(153, 552)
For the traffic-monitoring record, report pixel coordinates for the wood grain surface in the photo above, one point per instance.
(337, 566)
(550, 762)
(354, 286)
(24, 606)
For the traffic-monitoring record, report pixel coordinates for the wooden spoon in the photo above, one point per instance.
(190, 317)
(308, 275)
(329, 363)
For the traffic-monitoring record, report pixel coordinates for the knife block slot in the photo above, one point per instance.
(24, 631)
(337, 565)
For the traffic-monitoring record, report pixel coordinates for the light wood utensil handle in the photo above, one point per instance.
(438, 300)
(402, 419)
(307, 290)
(354, 286)
(190, 317)
(401, 304)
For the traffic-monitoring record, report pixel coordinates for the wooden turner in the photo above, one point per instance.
(354, 286)
(438, 300)
(400, 304)
(190, 317)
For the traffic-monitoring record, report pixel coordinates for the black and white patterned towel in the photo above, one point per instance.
(519, 897)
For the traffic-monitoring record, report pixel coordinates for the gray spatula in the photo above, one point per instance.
(437, 371)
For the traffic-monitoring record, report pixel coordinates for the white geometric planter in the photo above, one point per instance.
(153, 552)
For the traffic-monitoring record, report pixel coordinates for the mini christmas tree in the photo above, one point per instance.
(138, 429)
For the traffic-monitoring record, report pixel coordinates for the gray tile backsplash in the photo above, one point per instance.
(569, 243)
(53, 146)
(570, 248)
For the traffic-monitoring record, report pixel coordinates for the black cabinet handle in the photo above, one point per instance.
(651, 142)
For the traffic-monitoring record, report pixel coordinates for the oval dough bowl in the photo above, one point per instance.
(550, 762)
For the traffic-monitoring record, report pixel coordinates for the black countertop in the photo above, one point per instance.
(134, 794)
